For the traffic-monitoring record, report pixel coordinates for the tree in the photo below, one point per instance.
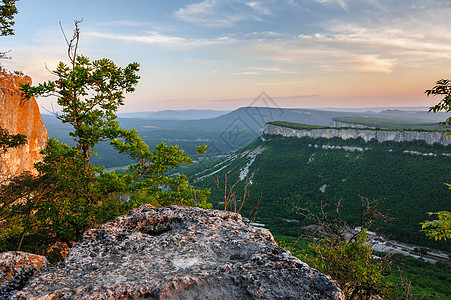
(442, 87)
(345, 254)
(73, 195)
(7, 11)
(441, 227)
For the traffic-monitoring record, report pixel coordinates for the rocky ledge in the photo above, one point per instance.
(16, 268)
(179, 253)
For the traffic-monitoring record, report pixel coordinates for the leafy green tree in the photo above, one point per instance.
(71, 194)
(7, 11)
(442, 87)
(439, 228)
(10, 140)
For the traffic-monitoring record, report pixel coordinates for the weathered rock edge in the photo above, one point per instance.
(179, 253)
(16, 268)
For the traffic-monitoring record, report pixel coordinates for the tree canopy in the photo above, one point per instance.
(7, 11)
(71, 195)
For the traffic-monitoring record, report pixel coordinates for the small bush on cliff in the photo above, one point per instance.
(8, 140)
(346, 255)
(72, 195)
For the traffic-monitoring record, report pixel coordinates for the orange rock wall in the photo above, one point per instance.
(19, 115)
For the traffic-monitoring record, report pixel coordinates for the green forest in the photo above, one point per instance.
(293, 173)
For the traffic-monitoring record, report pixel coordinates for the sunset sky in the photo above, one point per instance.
(221, 54)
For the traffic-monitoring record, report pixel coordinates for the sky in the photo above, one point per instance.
(223, 54)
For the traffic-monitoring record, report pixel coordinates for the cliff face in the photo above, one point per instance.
(341, 124)
(367, 134)
(22, 116)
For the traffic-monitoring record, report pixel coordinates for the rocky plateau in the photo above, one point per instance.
(430, 137)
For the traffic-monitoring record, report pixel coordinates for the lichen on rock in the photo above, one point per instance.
(16, 268)
(179, 253)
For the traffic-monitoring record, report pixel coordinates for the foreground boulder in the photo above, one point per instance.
(16, 268)
(179, 253)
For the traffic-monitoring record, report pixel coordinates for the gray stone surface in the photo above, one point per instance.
(16, 268)
(179, 253)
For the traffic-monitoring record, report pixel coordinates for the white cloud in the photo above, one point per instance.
(277, 83)
(225, 13)
(341, 3)
(258, 6)
(209, 13)
(128, 23)
(372, 63)
(273, 70)
(245, 73)
(151, 38)
(158, 39)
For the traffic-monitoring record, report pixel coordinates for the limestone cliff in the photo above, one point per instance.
(341, 124)
(430, 137)
(19, 115)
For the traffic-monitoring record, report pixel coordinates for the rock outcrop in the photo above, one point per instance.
(16, 268)
(19, 115)
(179, 253)
(430, 137)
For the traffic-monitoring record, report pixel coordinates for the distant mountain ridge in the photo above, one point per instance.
(188, 114)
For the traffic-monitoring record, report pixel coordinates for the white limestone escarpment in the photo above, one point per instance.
(430, 137)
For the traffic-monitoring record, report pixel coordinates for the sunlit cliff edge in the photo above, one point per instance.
(20, 116)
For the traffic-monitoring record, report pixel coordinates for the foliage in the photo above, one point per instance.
(71, 195)
(7, 11)
(428, 279)
(352, 265)
(345, 254)
(10, 140)
(297, 125)
(390, 123)
(405, 275)
(442, 87)
(291, 171)
(439, 228)
(383, 125)
(234, 200)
